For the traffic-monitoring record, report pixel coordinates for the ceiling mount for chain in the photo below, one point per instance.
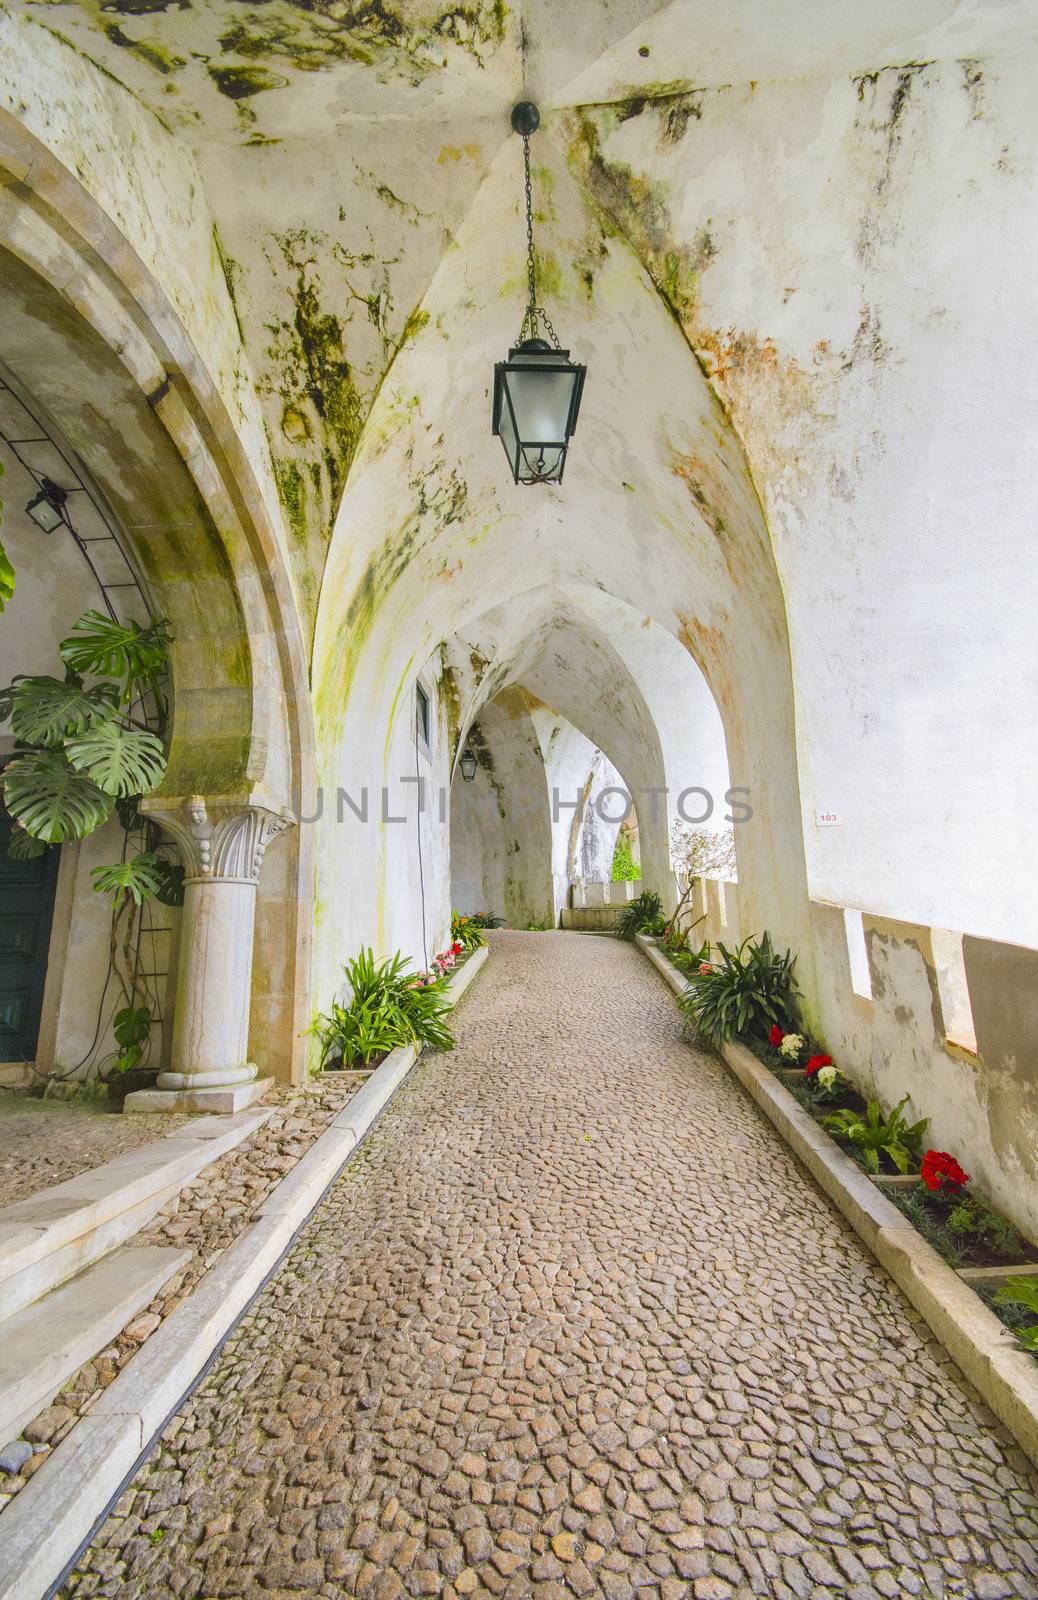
(526, 119)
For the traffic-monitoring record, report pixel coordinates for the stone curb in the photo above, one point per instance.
(47, 1524)
(984, 1349)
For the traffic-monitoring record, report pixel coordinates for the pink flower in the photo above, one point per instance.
(706, 966)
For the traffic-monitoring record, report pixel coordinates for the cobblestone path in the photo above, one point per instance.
(573, 1324)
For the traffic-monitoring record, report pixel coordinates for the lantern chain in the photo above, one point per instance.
(534, 312)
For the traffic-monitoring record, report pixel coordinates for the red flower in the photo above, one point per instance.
(775, 1036)
(942, 1171)
(815, 1062)
(706, 966)
(457, 947)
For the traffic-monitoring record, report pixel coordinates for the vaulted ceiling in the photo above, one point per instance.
(345, 144)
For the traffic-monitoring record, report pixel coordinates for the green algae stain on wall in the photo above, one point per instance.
(451, 695)
(241, 83)
(439, 498)
(314, 35)
(153, 53)
(308, 353)
(638, 208)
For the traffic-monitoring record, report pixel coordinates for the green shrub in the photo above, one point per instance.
(389, 1005)
(744, 993)
(625, 868)
(639, 915)
(873, 1135)
(975, 1226)
(687, 959)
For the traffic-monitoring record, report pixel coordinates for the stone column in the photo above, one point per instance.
(222, 851)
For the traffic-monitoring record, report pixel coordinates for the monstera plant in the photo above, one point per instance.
(85, 748)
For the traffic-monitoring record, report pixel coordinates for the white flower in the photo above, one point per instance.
(791, 1045)
(827, 1076)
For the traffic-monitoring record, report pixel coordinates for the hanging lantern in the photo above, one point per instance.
(537, 390)
(47, 510)
(467, 763)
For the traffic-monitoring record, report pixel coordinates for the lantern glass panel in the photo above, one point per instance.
(541, 397)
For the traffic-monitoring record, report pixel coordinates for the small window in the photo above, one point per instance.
(422, 716)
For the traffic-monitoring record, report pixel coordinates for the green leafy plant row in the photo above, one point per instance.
(745, 992)
(389, 1005)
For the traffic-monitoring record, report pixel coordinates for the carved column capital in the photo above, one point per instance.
(225, 842)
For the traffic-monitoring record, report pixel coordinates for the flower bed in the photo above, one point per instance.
(961, 1226)
(751, 995)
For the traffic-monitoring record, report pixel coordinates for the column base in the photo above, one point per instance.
(217, 1078)
(232, 1097)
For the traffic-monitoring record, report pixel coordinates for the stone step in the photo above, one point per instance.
(55, 1233)
(589, 919)
(43, 1345)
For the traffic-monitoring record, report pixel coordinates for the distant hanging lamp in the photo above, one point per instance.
(467, 763)
(537, 390)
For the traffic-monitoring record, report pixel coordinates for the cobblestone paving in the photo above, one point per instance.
(573, 1324)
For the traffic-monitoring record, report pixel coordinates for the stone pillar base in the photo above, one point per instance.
(232, 1097)
(221, 1078)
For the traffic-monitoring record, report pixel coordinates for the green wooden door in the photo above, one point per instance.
(26, 910)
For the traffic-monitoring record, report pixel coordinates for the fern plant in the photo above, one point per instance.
(743, 994)
(873, 1135)
(639, 914)
(388, 1006)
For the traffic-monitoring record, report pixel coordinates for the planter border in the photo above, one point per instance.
(51, 1521)
(1005, 1376)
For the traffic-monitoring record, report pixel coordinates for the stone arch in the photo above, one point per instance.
(659, 516)
(89, 334)
(500, 823)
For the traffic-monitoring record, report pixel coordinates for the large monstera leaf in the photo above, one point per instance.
(21, 846)
(47, 710)
(120, 760)
(140, 878)
(113, 649)
(51, 800)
